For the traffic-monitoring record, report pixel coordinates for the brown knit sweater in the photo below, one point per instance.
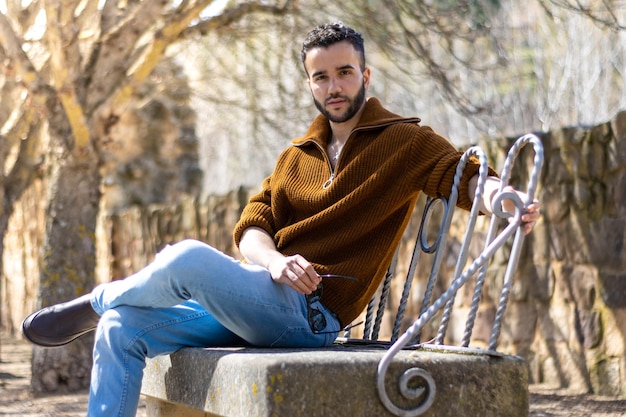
(353, 226)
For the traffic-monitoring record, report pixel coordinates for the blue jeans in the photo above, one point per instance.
(192, 295)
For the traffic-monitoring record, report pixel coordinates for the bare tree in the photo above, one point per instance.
(76, 72)
(605, 13)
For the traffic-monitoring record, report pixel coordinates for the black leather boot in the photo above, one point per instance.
(60, 324)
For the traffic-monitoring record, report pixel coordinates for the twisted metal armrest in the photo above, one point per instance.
(494, 241)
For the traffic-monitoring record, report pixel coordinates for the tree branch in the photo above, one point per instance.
(611, 22)
(24, 168)
(163, 38)
(19, 129)
(24, 68)
(117, 50)
(66, 69)
(234, 14)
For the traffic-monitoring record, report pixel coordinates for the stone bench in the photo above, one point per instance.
(335, 381)
(370, 377)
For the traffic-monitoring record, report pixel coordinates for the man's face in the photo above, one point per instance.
(336, 81)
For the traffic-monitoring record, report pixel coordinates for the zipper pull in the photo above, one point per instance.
(329, 181)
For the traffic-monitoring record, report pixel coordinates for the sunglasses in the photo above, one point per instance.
(316, 318)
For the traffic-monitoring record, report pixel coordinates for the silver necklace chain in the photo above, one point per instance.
(335, 149)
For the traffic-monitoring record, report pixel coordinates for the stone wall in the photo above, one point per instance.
(567, 312)
(149, 151)
(569, 309)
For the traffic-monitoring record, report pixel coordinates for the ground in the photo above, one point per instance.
(15, 396)
(16, 399)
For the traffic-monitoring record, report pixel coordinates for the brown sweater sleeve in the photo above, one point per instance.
(258, 212)
(434, 161)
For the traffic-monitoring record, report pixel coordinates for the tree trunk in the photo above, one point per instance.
(4, 222)
(67, 259)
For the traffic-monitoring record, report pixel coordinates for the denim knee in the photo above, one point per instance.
(116, 332)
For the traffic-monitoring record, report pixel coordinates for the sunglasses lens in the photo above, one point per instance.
(316, 318)
(317, 321)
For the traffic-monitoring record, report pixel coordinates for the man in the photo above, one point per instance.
(336, 203)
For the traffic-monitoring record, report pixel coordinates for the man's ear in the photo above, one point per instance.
(366, 77)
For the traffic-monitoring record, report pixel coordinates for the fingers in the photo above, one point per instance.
(296, 272)
(531, 215)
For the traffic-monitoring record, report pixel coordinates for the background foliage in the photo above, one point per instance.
(469, 69)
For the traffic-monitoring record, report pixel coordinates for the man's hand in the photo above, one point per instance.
(258, 247)
(296, 272)
(530, 215)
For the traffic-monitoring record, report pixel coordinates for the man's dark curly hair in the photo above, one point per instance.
(330, 33)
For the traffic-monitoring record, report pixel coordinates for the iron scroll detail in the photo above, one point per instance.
(417, 383)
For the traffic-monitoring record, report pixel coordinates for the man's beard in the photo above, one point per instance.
(355, 105)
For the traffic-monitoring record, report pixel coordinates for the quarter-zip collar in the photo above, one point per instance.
(374, 116)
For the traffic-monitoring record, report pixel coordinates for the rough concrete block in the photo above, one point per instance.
(335, 381)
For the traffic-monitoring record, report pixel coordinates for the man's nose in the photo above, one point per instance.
(334, 86)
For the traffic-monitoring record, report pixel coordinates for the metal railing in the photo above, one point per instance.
(497, 236)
